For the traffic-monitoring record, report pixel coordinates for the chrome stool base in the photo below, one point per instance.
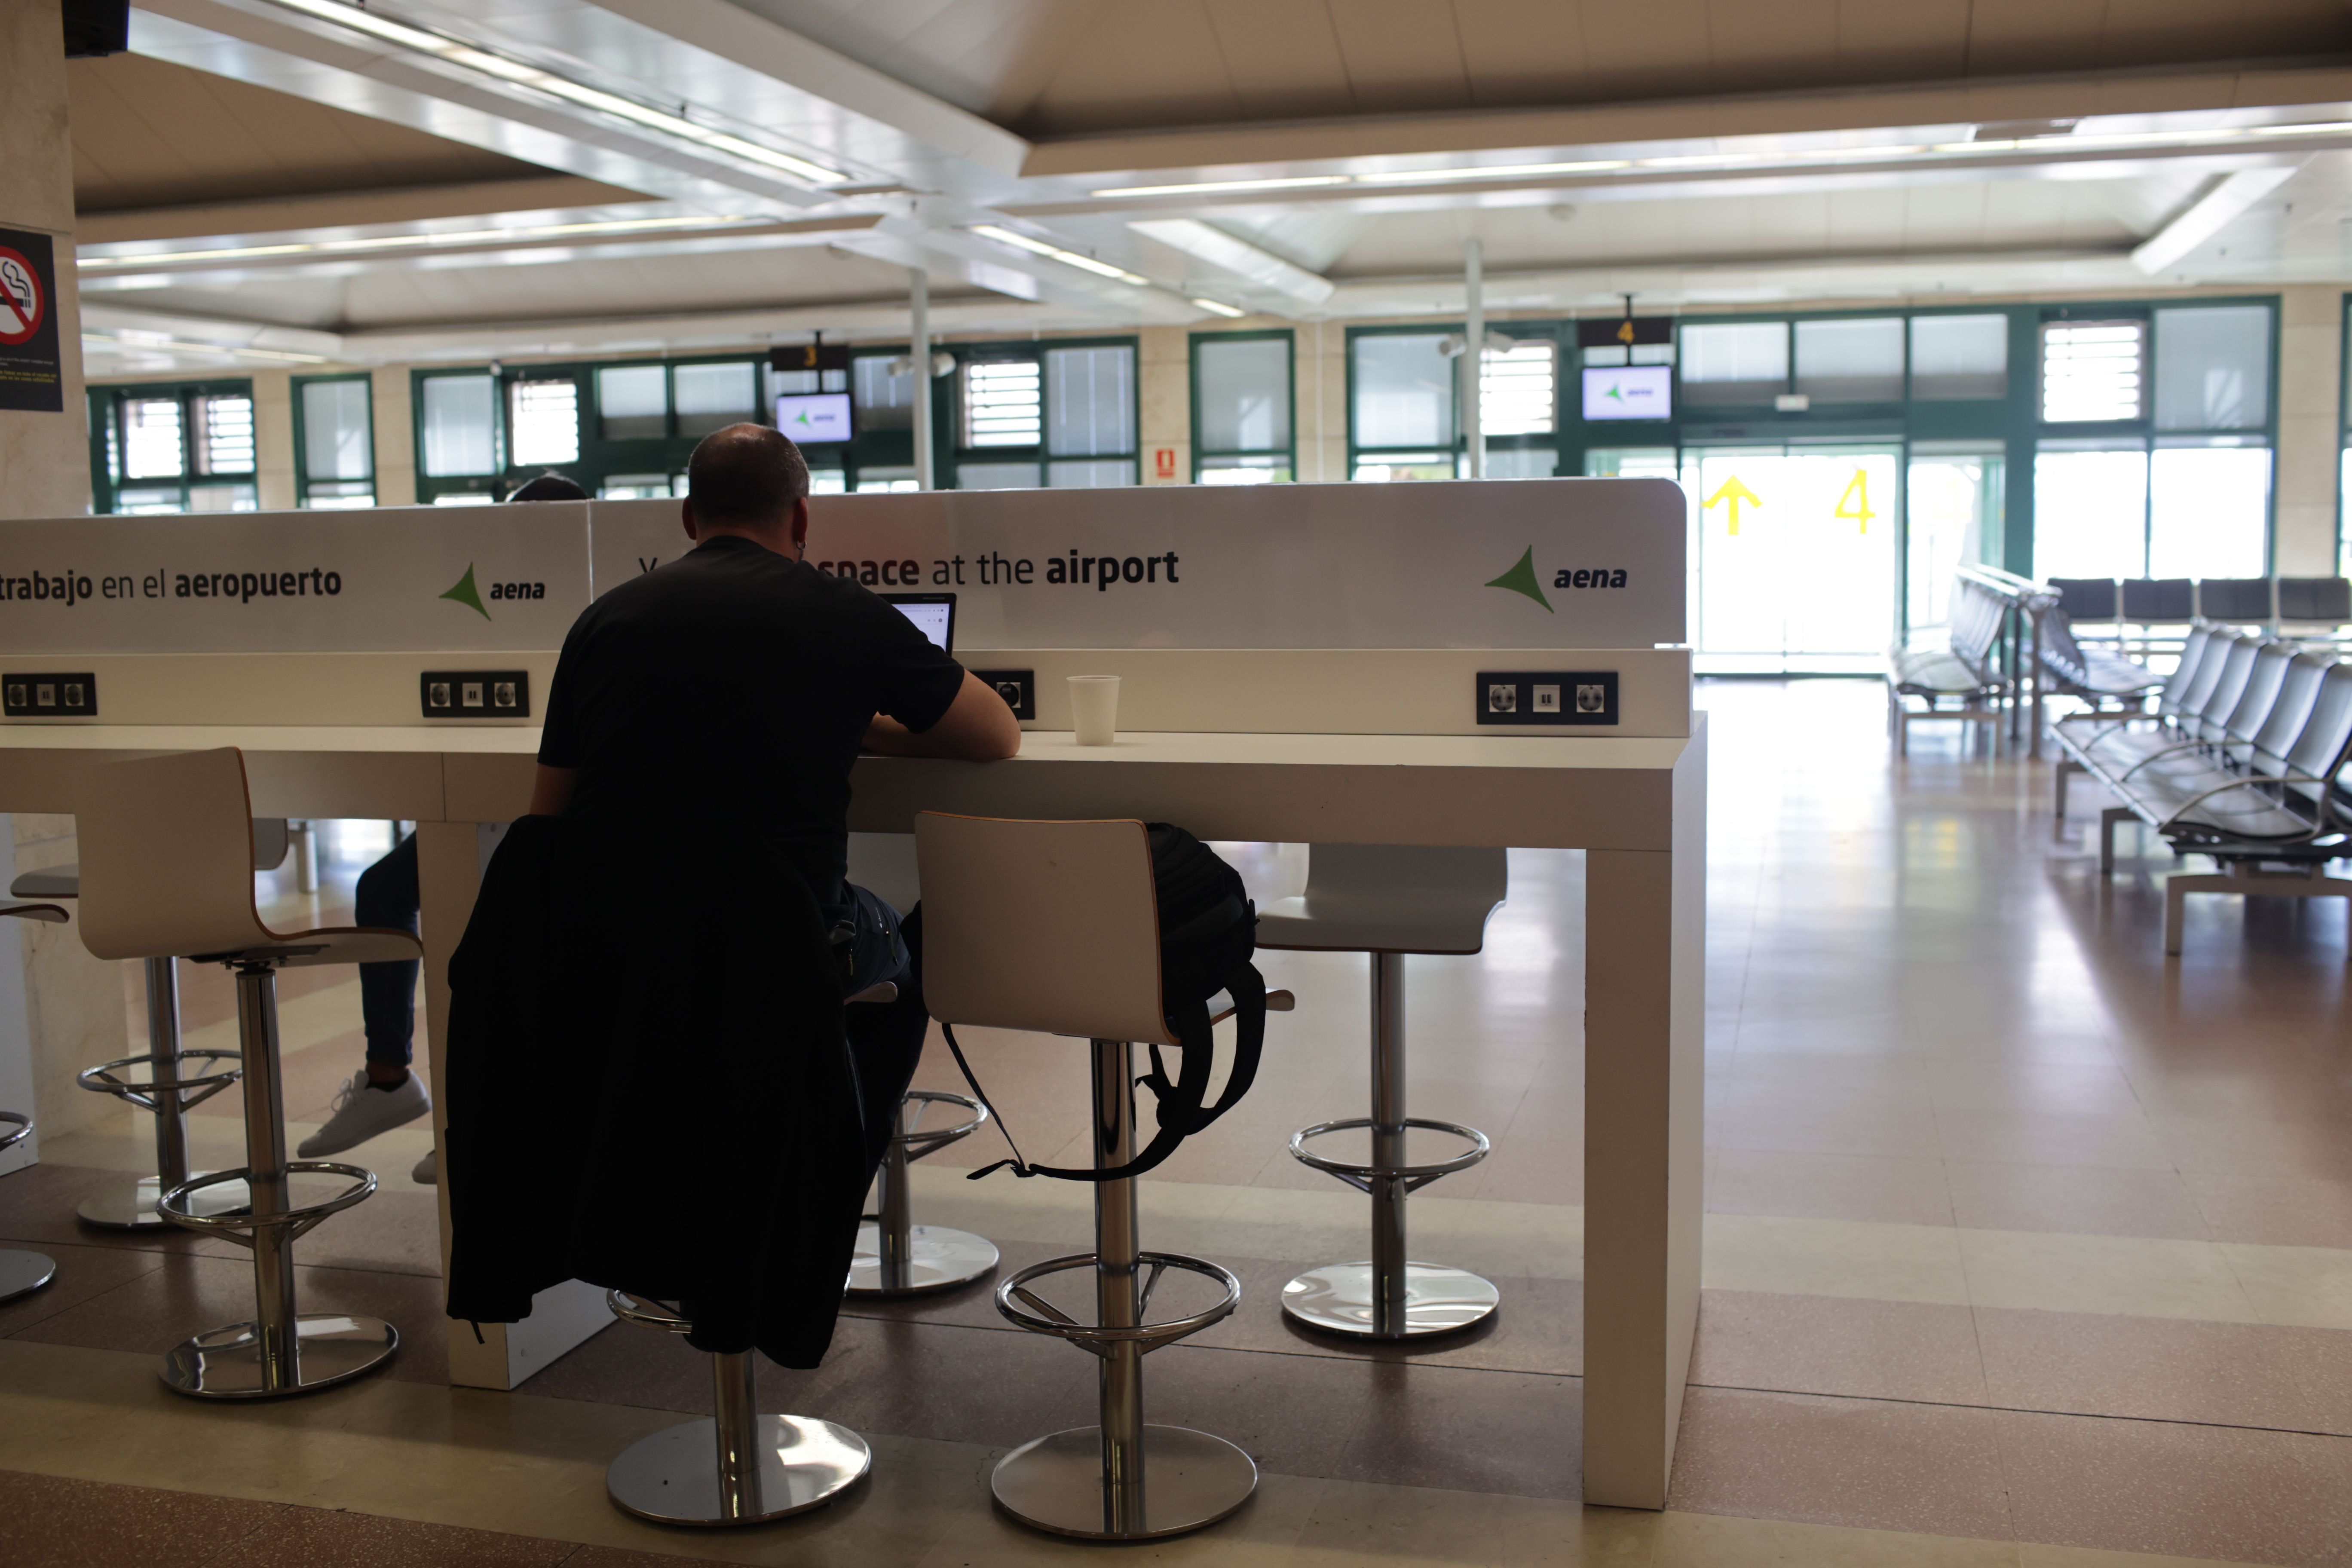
(129, 1204)
(1190, 1479)
(330, 1349)
(1338, 1298)
(22, 1273)
(672, 1477)
(938, 1259)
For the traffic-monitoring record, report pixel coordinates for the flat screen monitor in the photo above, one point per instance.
(818, 416)
(1630, 392)
(933, 615)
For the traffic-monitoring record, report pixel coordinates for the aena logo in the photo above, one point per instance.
(468, 595)
(1522, 579)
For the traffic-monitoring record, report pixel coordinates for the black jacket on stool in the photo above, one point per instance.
(649, 1087)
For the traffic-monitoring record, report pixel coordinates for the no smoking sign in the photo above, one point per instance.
(31, 377)
(24, 303)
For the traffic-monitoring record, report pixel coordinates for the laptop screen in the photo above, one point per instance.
(933, 615)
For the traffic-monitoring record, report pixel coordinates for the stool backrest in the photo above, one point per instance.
(1050, 926)
(167, 857)
(1403, 873)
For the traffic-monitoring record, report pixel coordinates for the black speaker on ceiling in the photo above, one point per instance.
(95, 27)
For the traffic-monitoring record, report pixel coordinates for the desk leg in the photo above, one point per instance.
(1645, 1044)
(449, 870)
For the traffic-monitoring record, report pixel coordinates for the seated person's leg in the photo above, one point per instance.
(887, 1039)
(384, 1094)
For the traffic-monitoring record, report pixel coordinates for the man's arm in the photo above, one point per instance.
(550, 792)
(977, 728)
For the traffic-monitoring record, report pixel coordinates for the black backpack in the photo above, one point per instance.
(1207, 931)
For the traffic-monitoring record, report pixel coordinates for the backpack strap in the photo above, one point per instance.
(1181, 1109)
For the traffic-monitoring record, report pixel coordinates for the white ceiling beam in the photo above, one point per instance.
(2208, 215)
(1238, 256)
(285, 51)
(730, 33)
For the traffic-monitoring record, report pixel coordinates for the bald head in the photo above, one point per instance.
(746, 476)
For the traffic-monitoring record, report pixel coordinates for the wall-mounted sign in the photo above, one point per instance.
(814, 417)
(31, 375)
(1532, 563)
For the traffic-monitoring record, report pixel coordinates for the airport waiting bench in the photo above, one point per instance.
(1959, 662)
(2105, 680)
(2242, 761)
(2311, 606)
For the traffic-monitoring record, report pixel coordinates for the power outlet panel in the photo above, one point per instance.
(1017, 687)
(1546, 696)
(48, 696)
(474, 693)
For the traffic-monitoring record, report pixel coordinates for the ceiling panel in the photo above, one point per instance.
(1400, 55)
(1281, 63)
(147, 132)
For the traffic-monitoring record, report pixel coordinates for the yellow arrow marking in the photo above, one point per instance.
(1731, 493)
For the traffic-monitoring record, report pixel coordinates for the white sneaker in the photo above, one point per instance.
(362, 1112)
(429, 1169)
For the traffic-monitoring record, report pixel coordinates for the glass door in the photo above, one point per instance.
(1796, 558)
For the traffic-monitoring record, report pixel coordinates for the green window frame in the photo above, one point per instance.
(198, 484)
(1280, 460)
(956, 453)
(334, 491)
(1527, 455)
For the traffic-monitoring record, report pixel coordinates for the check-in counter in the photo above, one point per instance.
(1450, 664)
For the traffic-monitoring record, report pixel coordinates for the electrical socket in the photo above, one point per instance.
(474, 693)
(1546, 696)
(50, 696)
(1017, 687)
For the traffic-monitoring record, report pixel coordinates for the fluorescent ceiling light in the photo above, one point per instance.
(515, 73)
(2055, 148)
(135, 338)
(1055, 252)
(1219, 308)
(406, 241)
(1237, 256)
(1487, 171)
(1290, 182)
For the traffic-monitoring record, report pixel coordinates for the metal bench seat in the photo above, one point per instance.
(2256, 791)
(1958, 663)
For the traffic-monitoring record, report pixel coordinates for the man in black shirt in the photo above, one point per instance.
(730, 692)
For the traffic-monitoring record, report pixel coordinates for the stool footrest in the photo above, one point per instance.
(1042, 1317)
(147, 1096)
(1414, 1176)
(296, 1221)
(918, 1142)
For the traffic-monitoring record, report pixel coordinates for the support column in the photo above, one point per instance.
(919, 288)
(2310, 424)
(1474, 355)
(1644, 1073)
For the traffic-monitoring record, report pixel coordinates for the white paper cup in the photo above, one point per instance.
(1094, 709)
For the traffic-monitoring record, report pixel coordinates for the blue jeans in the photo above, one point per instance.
(387, 897)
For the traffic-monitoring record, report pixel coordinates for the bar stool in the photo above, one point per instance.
(1053, 927)
(1389, 900)
(129, 1203)
(738, 1467)
(168, 859)
(894, 1256)
(21, 1273)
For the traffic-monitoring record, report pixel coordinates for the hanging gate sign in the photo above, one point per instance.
(31, 378)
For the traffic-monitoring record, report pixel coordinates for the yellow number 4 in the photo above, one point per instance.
(1856, 502)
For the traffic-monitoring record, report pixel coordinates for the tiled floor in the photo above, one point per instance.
(2024, 1246)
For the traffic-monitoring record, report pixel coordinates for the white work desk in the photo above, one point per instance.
(1637, 806)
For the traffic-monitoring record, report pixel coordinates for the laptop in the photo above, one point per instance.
(933, 615)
